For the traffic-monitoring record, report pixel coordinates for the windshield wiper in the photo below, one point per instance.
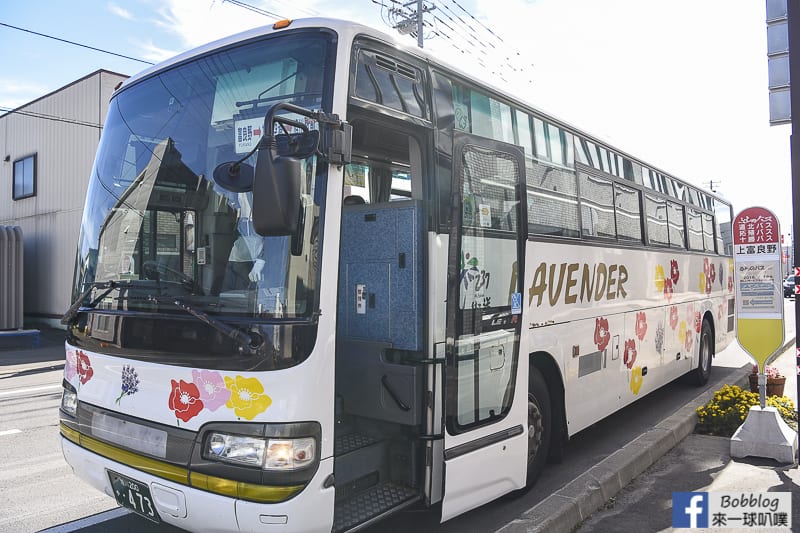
(249, 341)
(109, 286)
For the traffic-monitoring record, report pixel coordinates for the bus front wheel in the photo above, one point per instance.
(540, 425)
(705, 352)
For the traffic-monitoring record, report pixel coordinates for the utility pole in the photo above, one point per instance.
(408, 21)
(793, 16)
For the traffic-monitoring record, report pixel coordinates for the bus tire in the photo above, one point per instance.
(705, 353)
(540, 425)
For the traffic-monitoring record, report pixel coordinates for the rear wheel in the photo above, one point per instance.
(700, 375)
(540, 425)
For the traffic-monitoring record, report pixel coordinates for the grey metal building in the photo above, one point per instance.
(47, 148)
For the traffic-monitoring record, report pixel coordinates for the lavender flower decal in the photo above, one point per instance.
(130, 382)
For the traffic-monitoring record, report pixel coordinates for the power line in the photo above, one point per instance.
(255, 9)
(75, 44)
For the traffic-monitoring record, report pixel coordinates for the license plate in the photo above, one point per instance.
(133, 495)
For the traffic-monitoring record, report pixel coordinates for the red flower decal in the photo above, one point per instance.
(673, 317)
(630, 353)
(712, 273)
(185, 400)
(709, 281)
(689, 341)
(668, 290)
(674, 271)
(601, 333)
(730, 284)
(85, 371)
(641, 325)
(705, 266)
(697, 322)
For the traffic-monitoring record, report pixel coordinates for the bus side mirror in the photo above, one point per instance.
(276, 193)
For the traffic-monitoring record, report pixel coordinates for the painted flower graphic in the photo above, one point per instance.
(721, 276)
(730, 284)
(630, 353)
(689, 341)
(212, 388)
(712, 273)
(641, 325)
(660, 337)
(659, 278)
(668, 289)
(185, 400)
(247, 397)
(697, 322)
(682, 331)
(601, 333)
(674, 271)
(70, 365)
(673, 317)
(130, 382)
(85, 371)
(703, 284)
(636, 380)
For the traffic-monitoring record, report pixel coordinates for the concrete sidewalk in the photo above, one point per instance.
(684, 462)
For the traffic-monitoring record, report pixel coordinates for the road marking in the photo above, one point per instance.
(29, 389)
(10, 432)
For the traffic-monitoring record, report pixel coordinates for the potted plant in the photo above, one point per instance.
(775, 381)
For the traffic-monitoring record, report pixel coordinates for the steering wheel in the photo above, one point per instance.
(155, 270)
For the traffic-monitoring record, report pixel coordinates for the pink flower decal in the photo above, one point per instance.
(641, 325)
(668, 289)
(674, 271)
(705, 266)
(70, 365)
(712, 273)
(85, 371)
(630, 353)
(730, 284)
(697, 322)
(212, 388)
(673, 317)
(689, 341)
(601, 333)
(185, 400)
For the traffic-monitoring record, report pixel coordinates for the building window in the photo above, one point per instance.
(25, 177)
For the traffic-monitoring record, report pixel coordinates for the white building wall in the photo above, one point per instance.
(63, 130)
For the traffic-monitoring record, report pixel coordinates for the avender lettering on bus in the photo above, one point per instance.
(589, 283)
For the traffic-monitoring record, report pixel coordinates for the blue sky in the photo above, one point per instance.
(679, 84)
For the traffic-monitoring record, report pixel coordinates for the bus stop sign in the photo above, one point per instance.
(757, 280)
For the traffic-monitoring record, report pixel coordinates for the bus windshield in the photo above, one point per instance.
(157, 219)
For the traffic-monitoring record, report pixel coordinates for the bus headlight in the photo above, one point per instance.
(69, 402)
(289, 454)
(266, 453)
(236, 449)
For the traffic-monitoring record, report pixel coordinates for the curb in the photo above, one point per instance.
(565, 509)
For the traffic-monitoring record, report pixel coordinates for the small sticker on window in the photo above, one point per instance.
(485, 211)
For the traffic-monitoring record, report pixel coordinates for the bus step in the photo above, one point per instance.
(376, 502)
(350, 442)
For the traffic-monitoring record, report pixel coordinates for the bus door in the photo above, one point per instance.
(485, 441)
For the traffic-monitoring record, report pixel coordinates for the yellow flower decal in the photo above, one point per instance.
(247, 397)
(702, 282)
(660, 278)
(682, 331)
(636, 379)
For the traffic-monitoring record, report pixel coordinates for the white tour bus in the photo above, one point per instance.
(322, 277)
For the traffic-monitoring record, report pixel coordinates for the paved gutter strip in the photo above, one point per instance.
(568, 507)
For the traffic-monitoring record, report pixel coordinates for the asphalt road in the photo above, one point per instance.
(38, 490)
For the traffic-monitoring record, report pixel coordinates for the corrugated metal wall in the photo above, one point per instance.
(63, 130)
(11, 278)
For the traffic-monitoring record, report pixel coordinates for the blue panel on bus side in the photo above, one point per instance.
(381, 255)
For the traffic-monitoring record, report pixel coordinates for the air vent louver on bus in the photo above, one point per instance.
(394, 66)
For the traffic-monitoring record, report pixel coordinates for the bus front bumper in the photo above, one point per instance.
(197, 510)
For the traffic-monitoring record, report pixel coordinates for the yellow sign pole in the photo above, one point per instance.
(759, 292)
